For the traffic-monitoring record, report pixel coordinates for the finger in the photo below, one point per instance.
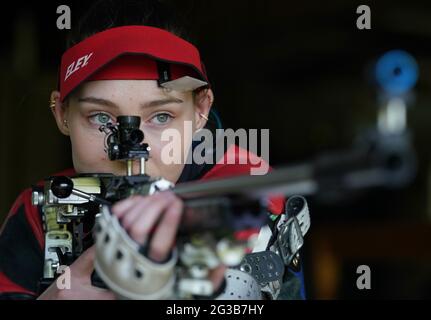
(148, 216)
(134, 212)
(120, 208)
(216, 276)
(164, 236)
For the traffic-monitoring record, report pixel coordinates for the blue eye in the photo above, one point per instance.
(161, 118)
(100, 118)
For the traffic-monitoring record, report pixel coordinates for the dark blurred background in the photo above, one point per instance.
(296, 67)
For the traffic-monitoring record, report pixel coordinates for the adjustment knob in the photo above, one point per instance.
(62, 187)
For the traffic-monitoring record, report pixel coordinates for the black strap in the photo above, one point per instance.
(164, 70)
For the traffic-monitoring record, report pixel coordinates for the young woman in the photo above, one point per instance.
(117, 64)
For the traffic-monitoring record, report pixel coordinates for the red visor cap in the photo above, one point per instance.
(130, 52)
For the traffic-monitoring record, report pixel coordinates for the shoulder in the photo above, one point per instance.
(238, 161)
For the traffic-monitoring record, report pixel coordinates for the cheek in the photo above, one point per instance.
(155, 162)
(179, 133)
(88, 150)
(156, 166)
(186, 126)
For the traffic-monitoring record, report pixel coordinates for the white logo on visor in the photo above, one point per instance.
(76, 65)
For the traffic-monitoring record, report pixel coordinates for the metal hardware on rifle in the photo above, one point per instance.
(124, 142)
(62, 187)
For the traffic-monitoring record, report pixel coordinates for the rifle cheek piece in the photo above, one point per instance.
(127, 272)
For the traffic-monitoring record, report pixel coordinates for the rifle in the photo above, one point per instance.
(214, 212)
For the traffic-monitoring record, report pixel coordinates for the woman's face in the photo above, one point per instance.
(99, 102)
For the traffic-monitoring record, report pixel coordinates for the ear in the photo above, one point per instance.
(204, 99)
(60, 112)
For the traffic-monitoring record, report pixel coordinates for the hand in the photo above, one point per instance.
(139, 215)
(161, 214)
(80, 282)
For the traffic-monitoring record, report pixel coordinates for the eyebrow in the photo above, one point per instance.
(108, 103)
